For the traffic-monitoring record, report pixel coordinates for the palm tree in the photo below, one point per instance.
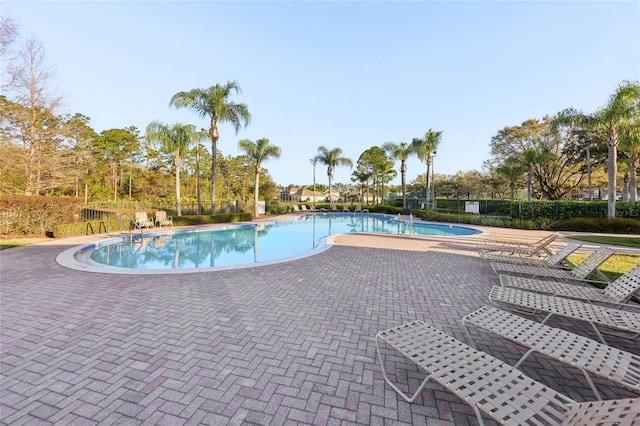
(512, 169)
(332, 159)
(199, 137)
(622, 109)
(386, 173)
(426, 149)
(258, 152)
(630, 142)
(401, 152)
(173, 140)
(213, 103)
(362, 176)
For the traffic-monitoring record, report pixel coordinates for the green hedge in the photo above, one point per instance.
(563, 210)
(35, 215)
(607, 226)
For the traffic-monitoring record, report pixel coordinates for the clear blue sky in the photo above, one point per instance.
(340, 74)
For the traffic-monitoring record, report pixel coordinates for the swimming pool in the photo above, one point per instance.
(235, 246)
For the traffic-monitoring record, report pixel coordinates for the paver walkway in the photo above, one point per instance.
(288, 343)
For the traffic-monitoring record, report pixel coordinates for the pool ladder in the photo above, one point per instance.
(128, 229)
(408, 222)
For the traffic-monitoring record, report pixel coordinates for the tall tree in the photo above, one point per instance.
(622, 108)
(541, 151)
(173, 140)
(370, 162)
(630, 143)
(512, 169)
(29, 114)
(258, 151)
(8, 35)
(214, 103)
(116, 147)
(385, 173)
(401, 152)
(362, 176)
(80, 136)
(332, 159)
(426, 148)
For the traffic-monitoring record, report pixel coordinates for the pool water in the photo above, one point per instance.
(248, 244)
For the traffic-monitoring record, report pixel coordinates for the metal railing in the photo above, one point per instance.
(128, 228)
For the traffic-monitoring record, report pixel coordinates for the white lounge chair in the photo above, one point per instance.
(489, 385)
(142, 220)
(296, 209)
(303, 207)
(618, 292)
(537, 248)
(584, 270)
(162, 219)
(345, 209)
(556, 260)
(588, 355)
(596, 315)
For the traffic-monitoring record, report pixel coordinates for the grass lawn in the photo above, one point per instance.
(17, 242)
(615, 266)
(608, 239)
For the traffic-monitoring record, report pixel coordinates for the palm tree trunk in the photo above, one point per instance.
(612, 142)
(428, 182)
(178, 205)
(330, 176)
(255, 193)
(198, 177)
(403, 172)
(330, 197)
(213, 132)
(633, 181)
(214, 164)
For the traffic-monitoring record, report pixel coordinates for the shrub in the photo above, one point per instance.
(36, 215)
(276, 208)
(612, 226)
(206, 219)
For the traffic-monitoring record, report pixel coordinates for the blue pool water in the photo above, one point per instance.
(246, 244)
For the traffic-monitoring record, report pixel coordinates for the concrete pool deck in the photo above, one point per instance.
(287, 343)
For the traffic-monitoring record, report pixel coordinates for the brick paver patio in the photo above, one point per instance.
(289, 343)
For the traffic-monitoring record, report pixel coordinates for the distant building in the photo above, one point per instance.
(301, 195)
(355, 196)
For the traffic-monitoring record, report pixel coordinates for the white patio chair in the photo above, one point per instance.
(588, 355)
(555, 260)
(528, 302)
(142, 220)
(540, 247)
(489, 385)
(162, 219)
(619, 291)
(584, 270)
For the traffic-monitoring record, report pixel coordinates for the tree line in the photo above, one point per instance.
(47, 152)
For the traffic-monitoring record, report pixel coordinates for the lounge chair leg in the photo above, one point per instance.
(604, 342)
(470, 339)
(524, 358)
(546, 318)
(409, 399)
(593, 387)
(478, 415)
